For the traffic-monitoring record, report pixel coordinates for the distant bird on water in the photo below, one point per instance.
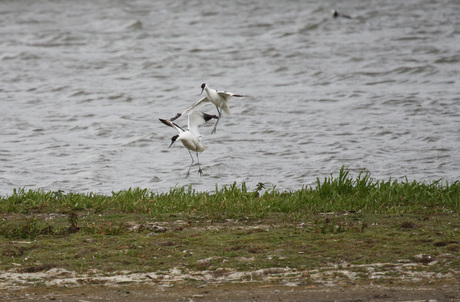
(336, 14)
(218, 98)
(191, 139)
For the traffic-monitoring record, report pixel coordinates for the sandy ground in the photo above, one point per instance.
(273, 284)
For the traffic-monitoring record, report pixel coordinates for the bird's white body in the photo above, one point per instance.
(218, 98)
(191, 138)
(191, 142)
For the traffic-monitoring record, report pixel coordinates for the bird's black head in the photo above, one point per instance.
(173, 139)
(202, 87)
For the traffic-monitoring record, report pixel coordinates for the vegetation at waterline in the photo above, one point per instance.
(343, 193)
(340, 220)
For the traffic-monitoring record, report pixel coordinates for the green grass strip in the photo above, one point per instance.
(342, 193)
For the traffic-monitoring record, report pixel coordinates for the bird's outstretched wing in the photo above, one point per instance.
(226, 95)
(190, 109)
(196, 119)
(171, 124)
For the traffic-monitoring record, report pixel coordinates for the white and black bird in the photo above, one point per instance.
(336, 14)
(218, 98)
(191, 139)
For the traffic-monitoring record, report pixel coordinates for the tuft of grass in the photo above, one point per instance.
(25, 228)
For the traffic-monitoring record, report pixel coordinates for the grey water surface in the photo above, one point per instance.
(83, 83)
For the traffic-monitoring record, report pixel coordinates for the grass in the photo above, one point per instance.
(343, 193)
(340, 220)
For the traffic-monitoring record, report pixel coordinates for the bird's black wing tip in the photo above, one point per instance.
(170, 124)
(176, 117)
(208, 117)
(165, 122)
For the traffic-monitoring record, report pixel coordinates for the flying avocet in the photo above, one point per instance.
(218, 98)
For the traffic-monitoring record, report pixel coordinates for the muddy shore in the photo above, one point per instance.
(274, 284)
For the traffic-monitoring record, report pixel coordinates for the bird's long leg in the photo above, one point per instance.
(188, 172)
(199, 166)
(215, 126)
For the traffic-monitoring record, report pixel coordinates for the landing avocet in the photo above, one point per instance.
(191, 139)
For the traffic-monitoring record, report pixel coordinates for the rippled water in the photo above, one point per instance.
(83, 84)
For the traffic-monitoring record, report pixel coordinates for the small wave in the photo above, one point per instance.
(20, 56)
(386, 81)
(413, 38)
(310, 27)
(79, 93)
(136, 25)
(448, 59)
(57, 39)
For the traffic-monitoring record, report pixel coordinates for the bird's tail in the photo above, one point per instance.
(202, 148)
(226, 109)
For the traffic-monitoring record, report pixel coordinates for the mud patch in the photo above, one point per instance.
(336, 275)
